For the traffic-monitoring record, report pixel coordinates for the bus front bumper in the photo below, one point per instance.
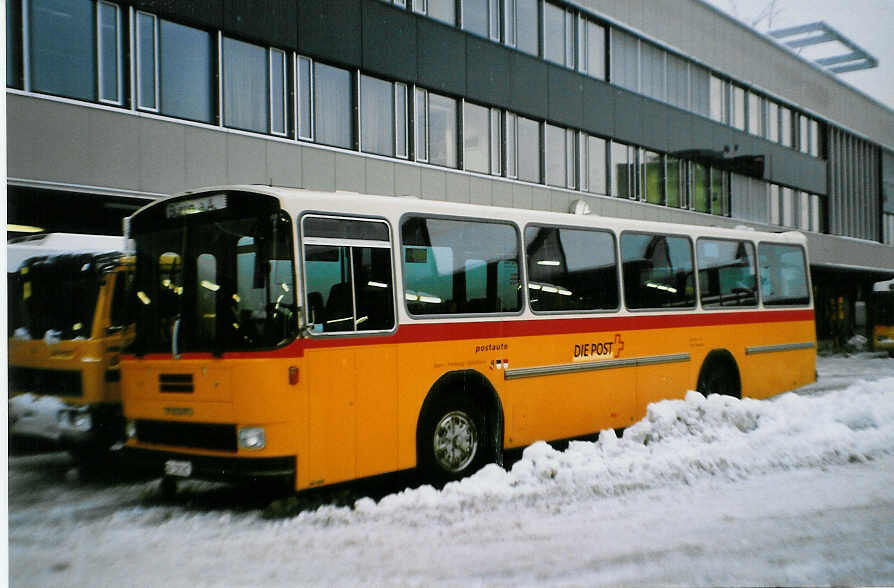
(212, 468)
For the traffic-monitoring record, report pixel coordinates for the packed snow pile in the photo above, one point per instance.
(679, 442)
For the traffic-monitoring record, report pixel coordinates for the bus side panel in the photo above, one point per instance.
(768, 374)
(352, 413)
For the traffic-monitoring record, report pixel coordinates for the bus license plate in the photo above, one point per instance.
(181, 469)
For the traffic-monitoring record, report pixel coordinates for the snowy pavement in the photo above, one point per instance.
(794, 491)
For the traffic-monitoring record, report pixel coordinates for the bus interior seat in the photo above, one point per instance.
(316, 313)
(339, 305)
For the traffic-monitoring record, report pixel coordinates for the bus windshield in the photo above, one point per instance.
(214, 282)
(55, 297)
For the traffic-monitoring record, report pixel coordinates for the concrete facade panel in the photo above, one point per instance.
(441, 56)
(458, 188)
(434, 184)
(246, 160)
(283, 164)
(113, 148)
(318, 169)
(380, 177)
(541, 198)
(51, 139)
(162, 156)
(487, 72)
(407, 180)
(502, 193)
(331, 30)
(522, 195)
(598, 108)
(350, 172)
(481, 190)
(528, 85)
(206, 158)
(565, 96)
(389, 41)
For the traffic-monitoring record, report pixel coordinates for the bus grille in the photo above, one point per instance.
(43, 381)
(196, 435)
(175, 383)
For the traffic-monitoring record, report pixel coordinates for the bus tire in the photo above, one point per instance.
(719, 375)
(454, 439)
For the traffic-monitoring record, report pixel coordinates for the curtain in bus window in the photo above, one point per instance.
(571, 269)
(726, 273)
(460, 267)
(657, 271)
(63, 48)
(783, 274)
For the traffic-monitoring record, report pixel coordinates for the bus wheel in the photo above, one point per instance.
(454, 440)
(719, 376)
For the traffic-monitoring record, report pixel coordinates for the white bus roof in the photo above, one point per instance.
(22, 249)
(298, 199)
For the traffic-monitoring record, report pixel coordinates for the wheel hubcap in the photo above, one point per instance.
(455, 441)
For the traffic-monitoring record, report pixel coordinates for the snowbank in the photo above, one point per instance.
(679, 442)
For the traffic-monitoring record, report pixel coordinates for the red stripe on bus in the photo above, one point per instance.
(454, 331)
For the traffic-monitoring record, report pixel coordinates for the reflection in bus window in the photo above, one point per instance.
(460, 267)
(570, 269)
(349, 285)
(657, 271)
(726, 274)
(206, 294)
(783, 275)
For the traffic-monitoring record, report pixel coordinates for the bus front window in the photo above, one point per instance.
(215, 284)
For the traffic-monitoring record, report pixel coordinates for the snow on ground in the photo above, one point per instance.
(795, 490)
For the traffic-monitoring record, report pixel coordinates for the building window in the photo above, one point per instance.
(279, 93)
(701, 183)
(755, 115)
(594, 176)
(673, 182)
(174, 66)
(677, 81)
(556, 155)
(622, 162)
(804, 211)
(482, 17)
(814, 138)
(652, 74)
(245, 86)
(591, 48)
(738, 108)
(62, 48)
(803, 133)
(785, 126)
(332, 106)
(772, 130)
(699, 90)
(625, 60)
(558, 34)
(653, 177)
(775, 205)
(476, 138)
(787, 197)
(436, 136)
(522, 25)
(719, 100)
(720, 204)
(147, 64)
(383, 117)
(304, 91)
(111, 87)
(442, 10)
(528, 149)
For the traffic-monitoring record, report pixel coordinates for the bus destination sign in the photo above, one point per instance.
(196, 205)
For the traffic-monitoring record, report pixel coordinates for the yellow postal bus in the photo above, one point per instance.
(324, 337)
(66, 331)
(883, 316)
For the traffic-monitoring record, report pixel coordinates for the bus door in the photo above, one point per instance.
(352, 401)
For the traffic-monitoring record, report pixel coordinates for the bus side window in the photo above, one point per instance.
(726, 273)
(460, 266)
(658, 271)
(783, 274)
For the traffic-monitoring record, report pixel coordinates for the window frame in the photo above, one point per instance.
(139, 69)
(350, 243)
(754, 267)
(616, 251)
(697, 295)
(522, 273)
(285, 90)
(119, 55)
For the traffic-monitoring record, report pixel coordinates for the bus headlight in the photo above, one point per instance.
(130, 429)
(252, 438)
